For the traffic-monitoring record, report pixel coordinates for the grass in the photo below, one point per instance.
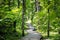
(53, 36)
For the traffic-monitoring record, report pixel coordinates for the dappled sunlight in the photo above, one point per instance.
(28, 21)
(53, 33)
(15, 10)
(1, 19)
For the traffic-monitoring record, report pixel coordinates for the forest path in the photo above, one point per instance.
(32, 34)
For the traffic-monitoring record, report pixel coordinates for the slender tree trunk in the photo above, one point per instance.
(28, 15)
(32, 15)
(23, 16)
(18, 3)
(48, 27)
(4, 2)
(48, 31)
(13, 2)
(9, 4)
(36, 5)
(15, 26)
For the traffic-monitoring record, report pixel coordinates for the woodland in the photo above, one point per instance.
(44, 15)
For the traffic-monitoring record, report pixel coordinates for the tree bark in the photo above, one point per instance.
(23, 16)
(18, 3)
(9, 4)
(48, 31)
(36, 5)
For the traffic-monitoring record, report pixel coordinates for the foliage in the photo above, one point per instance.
(11, 11)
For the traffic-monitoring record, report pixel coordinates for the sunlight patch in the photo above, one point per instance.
(15, 10)
(29, 21)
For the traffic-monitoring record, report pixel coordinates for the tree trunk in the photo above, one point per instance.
(18, 3)
(48, 31)
(9, 4)
(23, 16)
(14, 26)
(36, 5)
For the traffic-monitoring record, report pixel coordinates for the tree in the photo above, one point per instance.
(18, 3)
(9, 4)
(23, 16)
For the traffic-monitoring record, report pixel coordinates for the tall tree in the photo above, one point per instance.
(9, 4)
(48, 31)
(18, 3)
(36, 5)
(23, 16)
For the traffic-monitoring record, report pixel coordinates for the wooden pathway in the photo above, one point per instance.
(32, 35)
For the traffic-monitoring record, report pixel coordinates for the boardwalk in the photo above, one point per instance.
(32, 35)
